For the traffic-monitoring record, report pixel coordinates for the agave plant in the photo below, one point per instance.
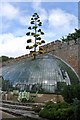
(36, 32)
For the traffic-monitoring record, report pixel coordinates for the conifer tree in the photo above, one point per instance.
(36, 32)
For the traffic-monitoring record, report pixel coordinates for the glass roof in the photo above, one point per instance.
(44, 70)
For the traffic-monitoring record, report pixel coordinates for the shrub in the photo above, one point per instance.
(50, 104)
(63, 105)
(53, 114)
(59, 111)
(76, 109)
(45, 113)
(36, 108)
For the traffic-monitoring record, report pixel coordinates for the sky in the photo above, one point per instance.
(58, 18)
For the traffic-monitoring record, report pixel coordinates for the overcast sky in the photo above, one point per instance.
(58, 18)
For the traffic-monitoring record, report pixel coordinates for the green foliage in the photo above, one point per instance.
(42, 33)
(38, 38)
(42, 41)
(49, 105)
(5, 58)
(32, 33)
(36, 35)
(39, 30)
(60, 111)
(76, 89)
(60, 86)
(45, 113)
(29, 40)
(72, 36)
(27, 47)
(41, 51)
(78, 112)
(36, 108)
(68, 94)
(76, 109)
(71, 92)
(30, 47)
(40, 48)
(29, 28)
(36, 32)
(28, 33)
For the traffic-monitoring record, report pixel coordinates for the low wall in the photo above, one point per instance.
(48, 97)
(39, 98)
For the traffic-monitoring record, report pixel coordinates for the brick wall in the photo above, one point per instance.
(69, 53)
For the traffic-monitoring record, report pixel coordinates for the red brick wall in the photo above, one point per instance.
(69, 53)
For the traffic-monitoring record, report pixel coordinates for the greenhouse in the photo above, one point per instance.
(41, 74)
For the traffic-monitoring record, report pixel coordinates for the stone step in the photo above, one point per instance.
(22, 113)
(20, 103)
(16, 106)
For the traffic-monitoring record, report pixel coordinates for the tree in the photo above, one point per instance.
(76, 35)
(72, 36)
(5, 58)
(77, 32)
(69, 38)
(63, 39)
(36, 32)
